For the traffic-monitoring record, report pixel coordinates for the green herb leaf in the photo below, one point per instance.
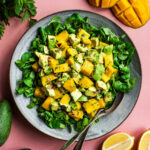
(20, 64)
(25, 57)
(18, 7)
(32, 22)
(2, 28)
(25, 16)
(20, 90)
(56, 19)
(31, 105)
(28, 82)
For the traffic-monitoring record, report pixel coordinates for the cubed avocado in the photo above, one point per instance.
(46, 51)
(93, 55)
(43, 48)
(47, 70)
(98, 96)
(65, 77)
(68, 108)
(77, 67)
(83, 98)
(76, 94)
(108, 49)
(81, 48)
(79, 58)
(43, 59)
(56, 53)
(95, 42)
(41, 73)
(54, 106)
(73, 39)
(91, 92)
(51, 42)
(101, 58)
(48, 90)
(99, 71)
(82, 89)
(101, 85)
(76, 76)
(108, 97)
(92, 88)
(107, 88)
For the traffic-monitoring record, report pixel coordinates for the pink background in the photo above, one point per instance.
(22, 134)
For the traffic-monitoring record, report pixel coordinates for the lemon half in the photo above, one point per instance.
(118, 141)
(144, 143)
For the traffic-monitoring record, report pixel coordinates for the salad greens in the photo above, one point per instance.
(72, 69)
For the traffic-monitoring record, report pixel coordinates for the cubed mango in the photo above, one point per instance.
(65, 100)
(58, 94)
(62, 68)
(39, 93)
(47, 102)
(47, 79)
(63, 36)
(70, 85)
(76, 114)
(85, 82)
(91, 106)
(35, 66)
(87, 68)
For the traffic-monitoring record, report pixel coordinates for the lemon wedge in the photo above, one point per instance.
(119, 141)
(144, 143)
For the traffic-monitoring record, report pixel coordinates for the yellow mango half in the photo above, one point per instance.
(103, 3)
(133, 13)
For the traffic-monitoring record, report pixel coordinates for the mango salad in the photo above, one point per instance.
(72, 70)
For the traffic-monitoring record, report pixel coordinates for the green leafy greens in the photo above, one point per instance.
(24, 9)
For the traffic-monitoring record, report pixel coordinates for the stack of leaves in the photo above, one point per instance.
(23, 9)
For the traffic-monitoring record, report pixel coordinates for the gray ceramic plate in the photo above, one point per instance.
(107, 123)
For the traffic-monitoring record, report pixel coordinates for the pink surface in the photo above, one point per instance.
(22, 134)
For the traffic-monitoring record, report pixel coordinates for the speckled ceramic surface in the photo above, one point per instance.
(107, 123)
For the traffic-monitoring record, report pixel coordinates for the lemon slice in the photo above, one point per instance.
(144, 143)
(119, 141)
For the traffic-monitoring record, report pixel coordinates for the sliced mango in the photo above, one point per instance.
(103, 3)
(70, 85)
(62, 68)
(47, 102)
(63, 36)
(47, 79)
(76, 114)
(52, 62)
(91, 106)
(70, 60)
(38, 92)
(133, 13)
(65, 100)
(85, 82)
(58, 94)
(87, 68)
(83, 34)
(35, 66)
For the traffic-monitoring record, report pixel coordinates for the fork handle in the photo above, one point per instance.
(81, 140)
(72, 140)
